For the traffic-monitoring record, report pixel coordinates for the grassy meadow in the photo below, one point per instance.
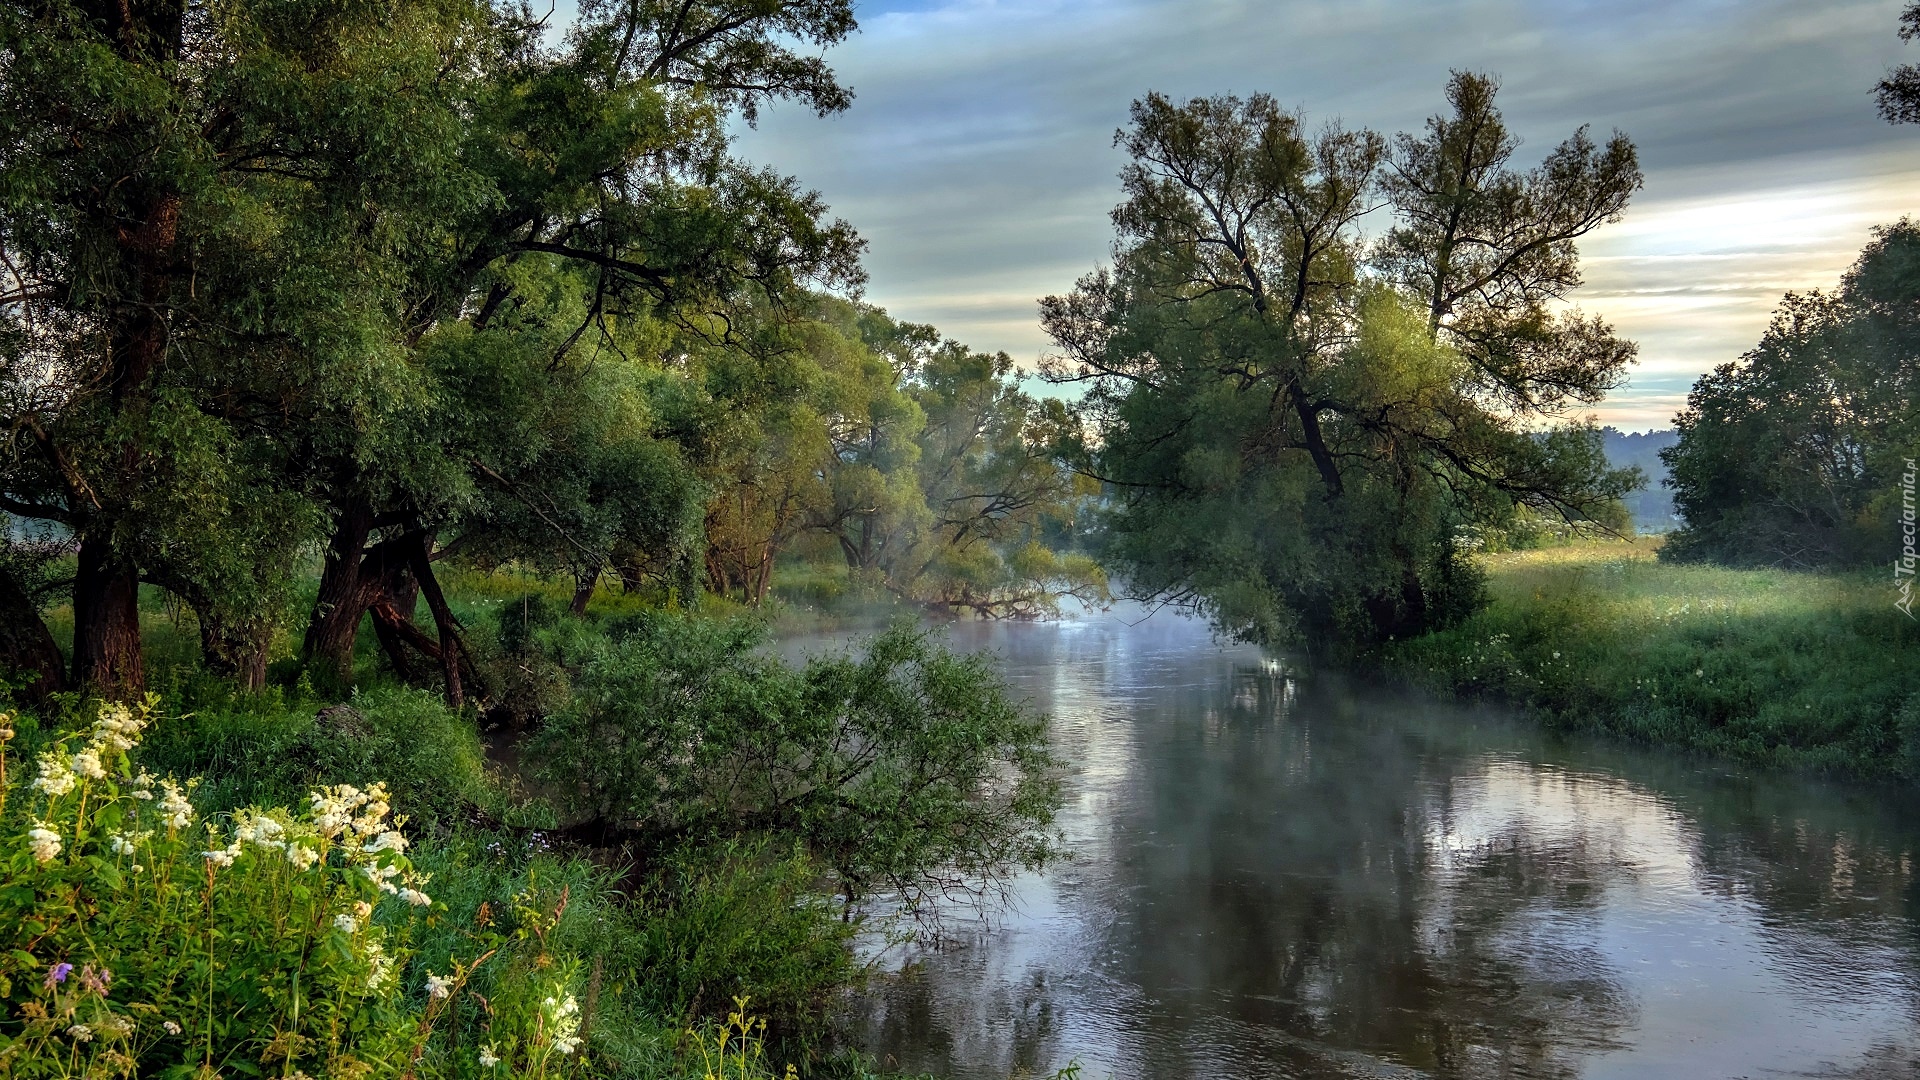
(1764, 667)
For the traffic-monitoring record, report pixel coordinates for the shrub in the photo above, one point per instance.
(429, 755)
(907, 769)
(737, 919)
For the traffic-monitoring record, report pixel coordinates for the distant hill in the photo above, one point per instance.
(1652, 506)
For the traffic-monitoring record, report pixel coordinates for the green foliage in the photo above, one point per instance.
(1295, 425)
(1766, 667)
(736, 918)
(906, 769)
(131, 951)
(306, 941)
(1788, 456)
(918, 463)
(256, 752)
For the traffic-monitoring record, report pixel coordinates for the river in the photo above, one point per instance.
(1279, 874)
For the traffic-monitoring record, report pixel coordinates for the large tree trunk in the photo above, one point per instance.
(106, 621)
(343, 597)
(27, 648)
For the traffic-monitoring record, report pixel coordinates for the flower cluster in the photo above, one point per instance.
(325, 866)
(114, 732)
(562, 1015)
(43, 842)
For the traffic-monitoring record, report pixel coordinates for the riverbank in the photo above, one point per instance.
(591, 906)
(1763, 667)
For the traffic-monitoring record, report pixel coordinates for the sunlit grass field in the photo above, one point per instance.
(1763, 666)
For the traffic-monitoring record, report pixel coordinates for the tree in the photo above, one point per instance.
(991, 478)
(1786, 456)
(1899, 93)
(917, 462)
(1490, 251)
(608, 157)
(199, 202)
(571, 473)
(1292, 437)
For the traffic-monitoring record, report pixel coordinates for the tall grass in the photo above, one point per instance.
(1766, 667)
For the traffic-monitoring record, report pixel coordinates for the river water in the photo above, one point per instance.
(1288, 875)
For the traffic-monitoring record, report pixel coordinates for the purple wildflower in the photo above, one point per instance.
(57, 974)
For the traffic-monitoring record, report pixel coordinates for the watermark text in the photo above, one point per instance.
(1903, 567)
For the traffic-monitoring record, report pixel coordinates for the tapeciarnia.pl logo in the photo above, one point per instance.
(1903, 567)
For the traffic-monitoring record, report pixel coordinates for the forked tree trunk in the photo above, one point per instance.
(393, 623)
(106, 621)
(342, 600)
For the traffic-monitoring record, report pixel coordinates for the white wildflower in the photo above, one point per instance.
(438, 986)
(55, 778)
(301, 856)
(390, 840)
(346, 924)
(170, 1027)
(175, 810)
(116, 1026)
(142, 786)
(86, 764)
(80, 1033)
(415, 897)
(260, 831)
(116, 728)
(379, 875)
(380, 968)
(487, 1057)
(332, 807)
(121, 843)
(564, 1015)
(224, 857)
(44, 842)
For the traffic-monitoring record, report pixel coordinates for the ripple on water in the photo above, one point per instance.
(1290, 875)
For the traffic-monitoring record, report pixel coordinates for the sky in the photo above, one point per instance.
(977, 159)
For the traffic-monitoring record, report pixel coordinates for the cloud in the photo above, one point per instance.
(977, 158)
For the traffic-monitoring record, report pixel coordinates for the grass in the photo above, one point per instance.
(1765, 667)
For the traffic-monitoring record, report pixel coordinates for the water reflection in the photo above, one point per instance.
(1298, 878)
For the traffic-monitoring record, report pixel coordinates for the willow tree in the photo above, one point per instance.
(918, 461)
(1293, 423)
(608, 167)
(199, 203)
